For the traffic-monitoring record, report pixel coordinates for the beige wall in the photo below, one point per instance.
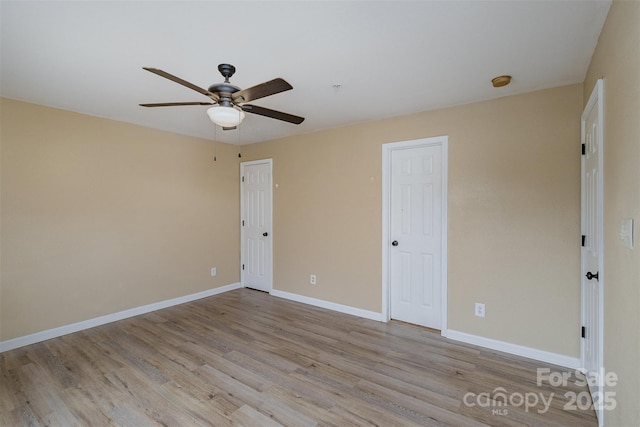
(100, 216)
(514, 214)
(617, 60)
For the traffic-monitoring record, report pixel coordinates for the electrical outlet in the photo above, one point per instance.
(479, 309)
(626, 233)
(313, 279)
(214, 271)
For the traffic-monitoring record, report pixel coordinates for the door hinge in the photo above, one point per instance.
(584, 239)
(584, 149)
(243, 176)
(243, 266)
(243, 224)
(584, 332)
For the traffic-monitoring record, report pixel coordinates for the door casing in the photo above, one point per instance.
(268, 227)
(386, 217)
(595, 102)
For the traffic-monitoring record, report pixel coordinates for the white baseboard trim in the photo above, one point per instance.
(108, 318)
(328, 305)
(515, 349)
(532, 353)
(518, 350)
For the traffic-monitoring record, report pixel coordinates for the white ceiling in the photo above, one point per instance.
(391, 58)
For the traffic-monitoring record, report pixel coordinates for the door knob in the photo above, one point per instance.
(265, 234)
(590, 276)
(394, 243)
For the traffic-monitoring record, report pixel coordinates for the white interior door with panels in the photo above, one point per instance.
(592, 253)
(414, 231)
(256, 225)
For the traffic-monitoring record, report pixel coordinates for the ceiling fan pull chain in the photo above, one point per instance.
(215, 144)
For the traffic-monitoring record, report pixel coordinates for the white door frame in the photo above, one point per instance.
(269, 226)
(595, 101)
(442, 141)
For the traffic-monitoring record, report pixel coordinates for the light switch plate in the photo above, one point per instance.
(626, 233)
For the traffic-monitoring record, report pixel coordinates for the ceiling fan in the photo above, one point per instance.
(229, 101)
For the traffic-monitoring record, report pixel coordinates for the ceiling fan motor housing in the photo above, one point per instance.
(223, 89)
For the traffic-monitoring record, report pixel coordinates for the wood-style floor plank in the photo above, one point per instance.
(247, 358)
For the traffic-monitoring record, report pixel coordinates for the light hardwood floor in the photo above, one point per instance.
(247, 358)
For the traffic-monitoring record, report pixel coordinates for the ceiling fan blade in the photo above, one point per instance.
(182, 82)
(267, 112)
(260, 91)
(175, 104)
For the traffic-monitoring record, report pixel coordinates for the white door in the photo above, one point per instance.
(257, 259)
(592, 244)
(415, 236)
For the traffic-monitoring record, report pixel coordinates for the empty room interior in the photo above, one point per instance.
(341, 213)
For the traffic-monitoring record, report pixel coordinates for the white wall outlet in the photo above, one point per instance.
(313, 279)
(214, 271)
(479, 309)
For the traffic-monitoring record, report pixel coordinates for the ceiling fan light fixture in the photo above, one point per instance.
(501, 81)
(226, 117)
